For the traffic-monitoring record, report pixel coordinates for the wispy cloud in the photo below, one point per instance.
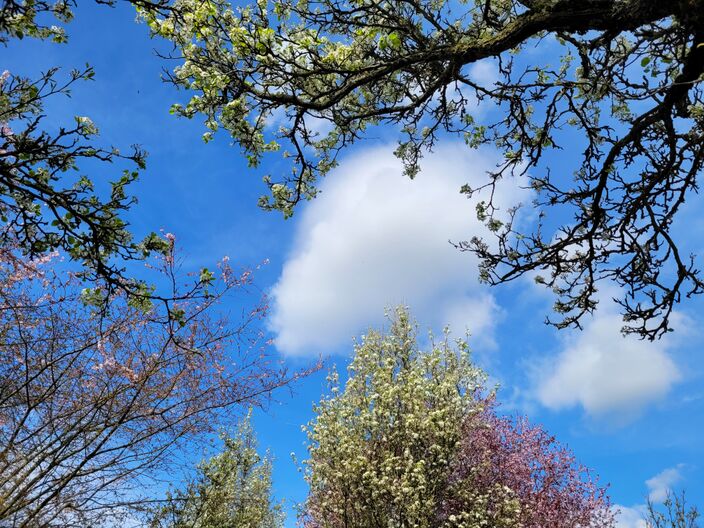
(661, 484)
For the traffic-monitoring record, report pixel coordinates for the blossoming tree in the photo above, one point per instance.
(606, 123)
(412, 442)
(232, 490)
(94, 400)
(512, 458)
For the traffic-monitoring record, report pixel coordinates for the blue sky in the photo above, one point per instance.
(630, 410)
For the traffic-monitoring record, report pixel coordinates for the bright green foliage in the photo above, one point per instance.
(19, 19)
(380, 449)
(232, 490)
(45, 19)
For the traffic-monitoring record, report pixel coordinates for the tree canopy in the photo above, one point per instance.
(621, 94)
(44, 204)
(231, 490)
(411, 441)
(94, 402)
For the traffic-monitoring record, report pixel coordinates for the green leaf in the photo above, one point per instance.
(206, 276)
(394, 40)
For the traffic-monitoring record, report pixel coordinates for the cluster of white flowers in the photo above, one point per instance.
(380, 448)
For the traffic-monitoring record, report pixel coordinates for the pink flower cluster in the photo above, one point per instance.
(553, 490)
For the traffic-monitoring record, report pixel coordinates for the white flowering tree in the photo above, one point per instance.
(380, 448)
(414, 441)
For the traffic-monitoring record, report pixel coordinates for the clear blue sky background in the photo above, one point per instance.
(581, 387)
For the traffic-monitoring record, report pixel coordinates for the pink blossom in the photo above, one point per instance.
(552, 488)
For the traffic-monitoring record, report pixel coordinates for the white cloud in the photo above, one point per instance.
(658, 488)
(485, 72)
(630, 517)
(374, 239)
(661, 484)
(606, 373)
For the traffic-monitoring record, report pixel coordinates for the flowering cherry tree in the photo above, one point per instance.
(379, 449)
(524, 462)
(95, 399)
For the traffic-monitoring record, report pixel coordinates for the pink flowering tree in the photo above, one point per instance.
(96, 400)
(504, 457)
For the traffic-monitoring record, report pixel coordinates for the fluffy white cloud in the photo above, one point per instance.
(630, 517)
(661, 484)
(485, 72)
(658, 488)
(374, 239)
(605, 372)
